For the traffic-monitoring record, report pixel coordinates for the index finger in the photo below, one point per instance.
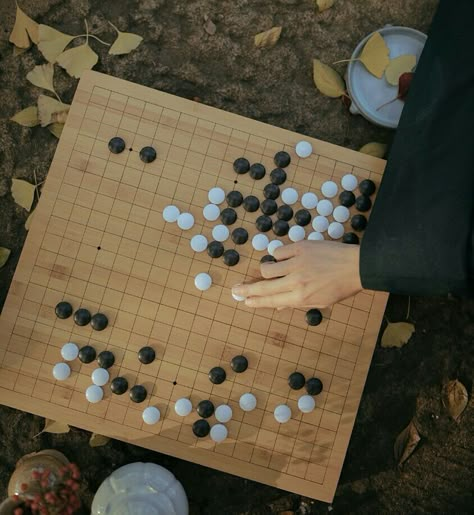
(263, 288)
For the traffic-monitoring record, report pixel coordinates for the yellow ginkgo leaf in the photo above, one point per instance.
(52, 426)
(268, 38)
(23, 193)
(374, 55)
(77, 59)
(52, 42)
(125, 42)
(24, 30)
(29, 220)
(398, 66)
(97, 440)
(49, 109)
(4, 255)
(374, 149)
(18, 51)
(322, 5)
(327, 80)
(56, 129)
(42, 76)
(27, 117)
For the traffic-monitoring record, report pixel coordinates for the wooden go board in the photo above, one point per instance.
(98, 240)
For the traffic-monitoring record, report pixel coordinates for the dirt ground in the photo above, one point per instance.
(274, 86)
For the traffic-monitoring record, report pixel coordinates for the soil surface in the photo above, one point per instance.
(275, 86)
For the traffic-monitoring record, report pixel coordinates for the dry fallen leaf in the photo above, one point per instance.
(454, 396)
(327, 80)
(18, 51)
(125, 42)
(322, 5)
(52, 42)
(406, 443)
(398, 66)
(27, 117)
(56, 129)
(374, 55)
(24, 30)
(23, 193)
(268, 38)
(29, 220)
(209, 25)
(51, 110)
(78, 59)
(4, 255)
(42, 76)
(397, 334)
(97, 440)
(374, 149)
(52, 426)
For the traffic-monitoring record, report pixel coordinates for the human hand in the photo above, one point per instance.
(307, 274)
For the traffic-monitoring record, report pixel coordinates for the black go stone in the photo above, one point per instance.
(285, 212)
(314, 317)
(314, 386)
(271, 191)
(146, 355)
(82, 316)
(201, 428)
(251, 203)
(268, 259)
(217, 375)
(234, 198)
(239, 364)
(228, 216)
(282, 159)
(241, 165)
(347, 198)
(105, 359)
(205, 409)
(302, 217)
(116, 145)
(231, 257)
(240, 236)
(363, 203)
(351, 238)
(278, 176)
(257, 171)
(358, 222)
(87, 354)
(296, 380)
(147, 154)
(99, 322)
(119, 385)
(63, 310)
(215, 249)
(268, 206)
(138, 393)
(281, 227)
(367, 187)
(264, 223)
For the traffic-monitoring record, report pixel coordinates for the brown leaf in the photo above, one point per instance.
(50, 109)
(327, 80)
(268, 38)
(404, 82)
(42, 76)
(209, 26)
(322, 5)
(78, 59)
(27, 117)
(4, 255)
(125, 42)
(51, 426)
(24, 30)
(406, 443)
(97, 440)
(398, 66)
(374, 149)
(397, 334)
(23, 193)
(52, 42)
(455, 398)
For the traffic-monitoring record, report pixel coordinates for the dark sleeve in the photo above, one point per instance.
(420, 236)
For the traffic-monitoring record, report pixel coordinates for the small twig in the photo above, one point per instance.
(87, 31)
(91, 36)
(408, 310)
(36, 184)
(386, 319)
(347, 60)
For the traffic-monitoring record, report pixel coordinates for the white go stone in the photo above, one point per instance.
(61, 371)
(329, 189)
(151, 415)
(198, 243)
(289, 196)
(185, 221)
(248, 402)
(273, 245)
(216, 195)
(309, 200)
(336, 230)
(211, 212)
(238, 298)
(223, 413)
(304, 149)
(306, 403)
(320, 223)
(349, 182)
(296, 233)
(94, 393)
(324, 207)
(315, 236)
(202, 281)
(170, 214)
(70, 351)
(260, 242)
(183, 407)
(220, 232)
(341, 214)
(282, 413)
(100, 376)
(218, 433)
